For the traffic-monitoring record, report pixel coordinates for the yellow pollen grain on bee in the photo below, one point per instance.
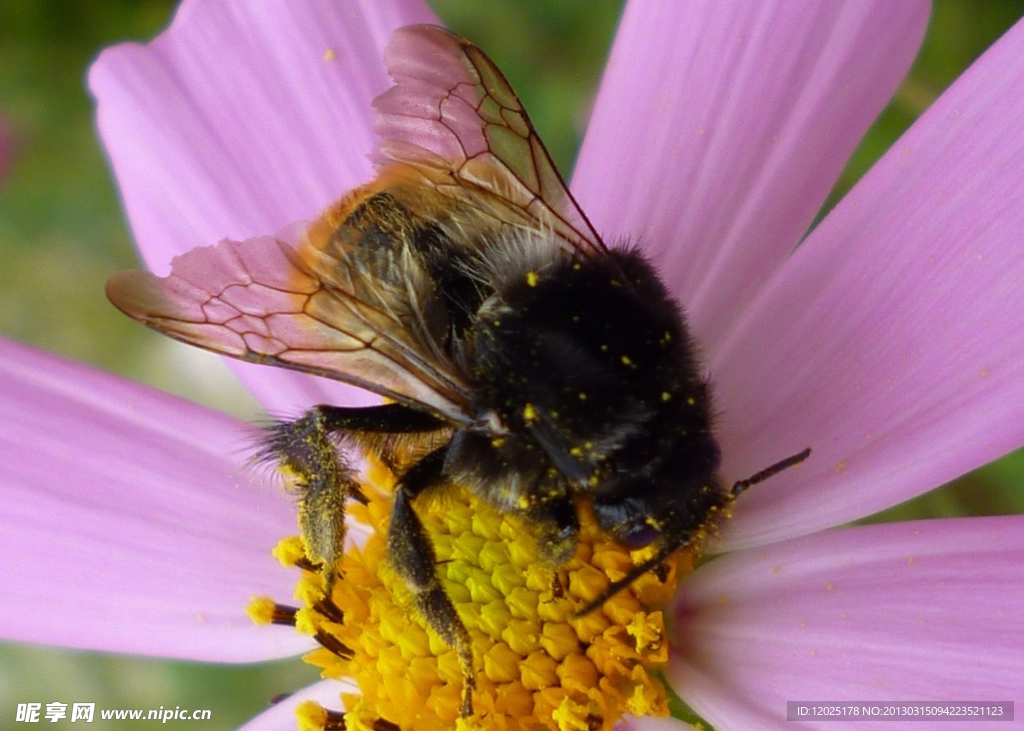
(576, 452)
(532, 278)
(691, 401)
(498, 442)
(582, 395)
(666, 396)
(530, 413)
(626, 360)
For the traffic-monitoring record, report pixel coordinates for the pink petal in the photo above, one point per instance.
(892, 340)
(721, 127)
(631, 723)
(128, 525)
(241, 119)
(281, 717)
(926, 610)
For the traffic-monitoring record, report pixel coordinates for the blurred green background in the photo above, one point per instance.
(62, 234)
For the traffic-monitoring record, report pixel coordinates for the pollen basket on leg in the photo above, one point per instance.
(537, 665)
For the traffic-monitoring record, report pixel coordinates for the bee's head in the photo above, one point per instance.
(627, 519)
(665, 504)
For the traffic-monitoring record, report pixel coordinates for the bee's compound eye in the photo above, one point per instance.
(626, 519)
(638, 536)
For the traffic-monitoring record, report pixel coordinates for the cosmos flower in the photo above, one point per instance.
(890, 341)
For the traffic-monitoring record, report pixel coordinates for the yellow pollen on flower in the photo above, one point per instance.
(261, 610)
(646, 630)
(264, 610)
(289, 551)
(311, 716)
(537, 664)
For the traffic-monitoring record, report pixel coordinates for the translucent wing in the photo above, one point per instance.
(347, 302)
(259, 301)
(453, 116)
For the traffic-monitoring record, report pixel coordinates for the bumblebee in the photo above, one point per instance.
(520, 357)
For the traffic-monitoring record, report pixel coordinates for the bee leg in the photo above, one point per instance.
(303, 450)
(322, 478)
(412, 556)
(387, 419)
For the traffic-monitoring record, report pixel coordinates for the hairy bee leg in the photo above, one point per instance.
(412, 556)
(386, 419)
(304, 450)
(324, 481)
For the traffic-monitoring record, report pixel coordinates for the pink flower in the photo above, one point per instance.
(890, 341)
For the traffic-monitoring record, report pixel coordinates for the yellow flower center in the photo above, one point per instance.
(538, 665)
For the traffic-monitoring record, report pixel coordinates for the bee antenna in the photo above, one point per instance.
(670, 547)
(634, 573)
(791, 461)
